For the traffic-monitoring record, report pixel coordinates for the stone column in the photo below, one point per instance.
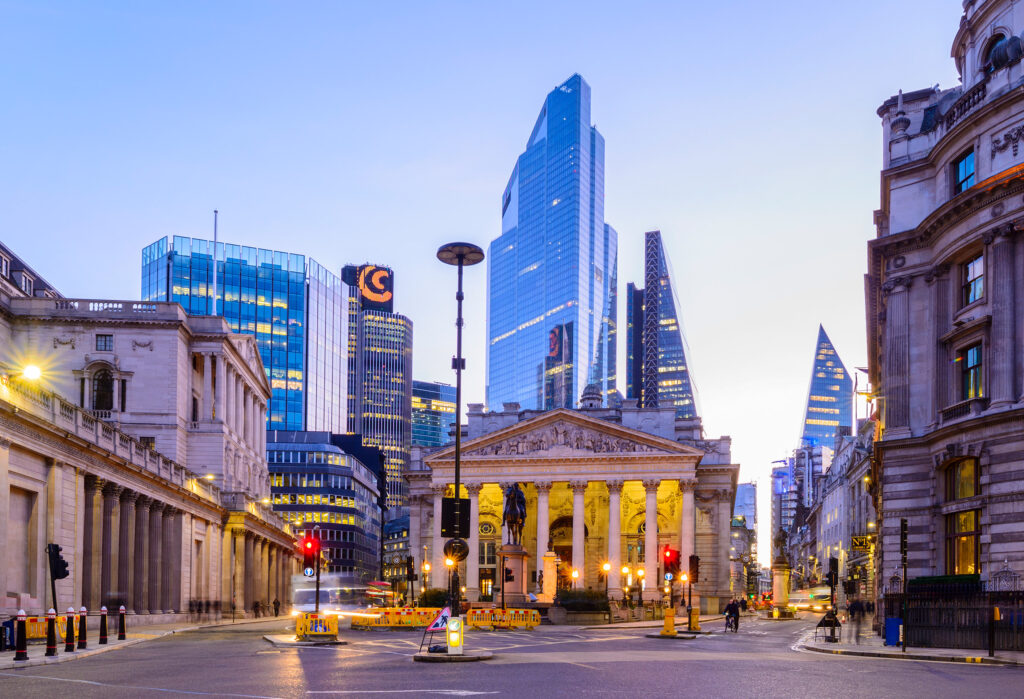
(939, 316)
(651, 591)
(473, 560)
(250, 545)
(108, 572)
(239, 584)
(218, 387)
(156, 560)
(543, 518)
(229, 393)
(687, 523)
(207, 387)
(896, 375)
(614, 538)
(578, 537)
(1001, 358)
(5, 508)
(90, 552)
(169, 557)
(140, 576)
(177, 539)
(438, 572)
(238, 409)
(415, 544)
(126, 549)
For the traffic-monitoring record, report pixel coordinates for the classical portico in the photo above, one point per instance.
(597, 493)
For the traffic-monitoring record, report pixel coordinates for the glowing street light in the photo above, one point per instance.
(32, 372)
(575, 577)
(607, 568)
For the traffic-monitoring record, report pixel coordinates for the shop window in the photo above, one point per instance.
(962, 530)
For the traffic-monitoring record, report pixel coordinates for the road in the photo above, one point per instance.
(551, 661)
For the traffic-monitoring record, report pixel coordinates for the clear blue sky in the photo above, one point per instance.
(745, 131)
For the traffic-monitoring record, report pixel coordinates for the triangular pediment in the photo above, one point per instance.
(565, 433)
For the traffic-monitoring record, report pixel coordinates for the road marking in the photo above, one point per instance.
(449, 692)
(134, 687)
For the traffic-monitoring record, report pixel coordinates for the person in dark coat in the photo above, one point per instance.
(277, 606)
(856, 611)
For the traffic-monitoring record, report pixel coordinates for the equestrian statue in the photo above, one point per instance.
(514, 516)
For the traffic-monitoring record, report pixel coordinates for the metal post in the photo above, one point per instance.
(83, 620)
(69, 632)
(53, 581)
(120, 624)
(502, 582)
(103, 626)
(21, 642)
(906, 607)
(316, 603)
(51, 633)
(689, 604)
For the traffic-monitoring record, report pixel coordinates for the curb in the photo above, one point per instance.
(286, 642)
(979, 660)
(468, 657)
(66, 657)
(677, 637)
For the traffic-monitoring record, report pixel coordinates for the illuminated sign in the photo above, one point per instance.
(376, 288)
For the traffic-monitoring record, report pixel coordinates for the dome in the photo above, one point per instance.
(591, 396)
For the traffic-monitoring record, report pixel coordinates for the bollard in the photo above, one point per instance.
(21, 642)
(83, 619)
(670, 622)
(51, 633)
(120, 624)
(103, 626)
(69, 635)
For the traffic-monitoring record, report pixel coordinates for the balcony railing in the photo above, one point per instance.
(968, 408)
(967, 103)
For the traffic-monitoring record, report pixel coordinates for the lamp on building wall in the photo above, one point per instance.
(32, 372)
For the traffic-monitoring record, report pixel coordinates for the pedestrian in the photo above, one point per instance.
(856, 610)
(256, 610)
(277, 606)
(743, 604)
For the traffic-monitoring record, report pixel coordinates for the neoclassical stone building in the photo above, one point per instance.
(945, 310)
(139, 451)
(603, 485)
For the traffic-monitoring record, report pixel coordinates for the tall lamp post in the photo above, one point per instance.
(460, 255)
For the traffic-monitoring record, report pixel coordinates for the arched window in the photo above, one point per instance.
(990, 48)
(102, 390)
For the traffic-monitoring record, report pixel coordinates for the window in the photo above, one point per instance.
(104, 343)
(963, 172)
(5, 267)
(969, 360)
(962, 530)
(973, 280)
(27, 284)
(102, 390)
(487, 556)
(148, 442)
(962, 480)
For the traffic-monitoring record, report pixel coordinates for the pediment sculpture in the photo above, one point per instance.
(561, 438)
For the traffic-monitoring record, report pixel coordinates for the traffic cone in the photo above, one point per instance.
(51, 633)
(69, 634)
(83, 619)
(103, 626)
(120, 624)
(21, 642)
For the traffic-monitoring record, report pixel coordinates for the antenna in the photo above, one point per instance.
(213, 303)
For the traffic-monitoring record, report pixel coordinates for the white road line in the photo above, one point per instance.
(449, 692)
(134, 687)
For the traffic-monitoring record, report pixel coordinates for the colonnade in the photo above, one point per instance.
(256, 570)
(232, 401)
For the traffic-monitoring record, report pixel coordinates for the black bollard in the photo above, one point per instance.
(83, 620)
(51, 633)
(21, 642)
(103, 626)
(69, 634)
(120, 624)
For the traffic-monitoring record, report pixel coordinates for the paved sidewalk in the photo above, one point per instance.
(133, 635)
(871, 646)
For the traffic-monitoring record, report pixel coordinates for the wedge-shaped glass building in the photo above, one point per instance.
(830, 399)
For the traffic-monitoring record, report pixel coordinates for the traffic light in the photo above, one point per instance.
(671, 561)
(694, 569)
(410, 568)
(310, 555)
(58, 566)
(509, 577)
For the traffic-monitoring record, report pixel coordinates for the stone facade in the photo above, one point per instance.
(139, 451)
(945, 310)
(610, 485)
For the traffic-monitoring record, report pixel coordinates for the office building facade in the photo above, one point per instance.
(829, 411)
(380, 372)
(551, 318)
(295, 308)
(657, 373)
(433, 413)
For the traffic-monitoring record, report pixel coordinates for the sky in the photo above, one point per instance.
(376, 132)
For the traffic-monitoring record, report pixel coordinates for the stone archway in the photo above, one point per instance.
(561, 544)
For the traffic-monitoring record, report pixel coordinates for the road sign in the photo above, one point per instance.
(308, 572)
(668, 576)
(440, 622)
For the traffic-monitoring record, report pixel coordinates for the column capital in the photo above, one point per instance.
(688, 484)
(895, 284)
(155, 506)
(473, 488)
(129, 496)
(723, 494)
(170, 511)
(438, 490)
(651, 484)
(93, 483)
(542, 486)
(615, 485)
(578, 486)
(143, 502)
(5, 443)
(112, 490)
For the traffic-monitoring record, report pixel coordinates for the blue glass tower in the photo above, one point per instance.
(433, 413)
(296, 309)
(552, 271)
(830, 399)
(658, 373)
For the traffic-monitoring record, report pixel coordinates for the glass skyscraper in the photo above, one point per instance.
(552, 271)
(830, 399)
(658, 374)
(433, 412)
(295, 308)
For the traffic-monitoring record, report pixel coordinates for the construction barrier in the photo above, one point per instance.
(35, 627)
(409, 617)
(312, 626)
(503, 618)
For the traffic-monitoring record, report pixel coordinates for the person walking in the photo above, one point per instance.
(856, 611)
(277, 606)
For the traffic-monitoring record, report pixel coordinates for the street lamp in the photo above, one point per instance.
(575, 577)
(607, 568)
(31, 372)
(460, 255)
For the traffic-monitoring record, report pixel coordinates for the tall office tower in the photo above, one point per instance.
(830, 398)
(784, 501)
(746, 504)
(552, 271)
(658, 374)
(295, 308)
(433, 413)
(379, 371)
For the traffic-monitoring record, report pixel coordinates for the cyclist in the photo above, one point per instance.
(732, 616)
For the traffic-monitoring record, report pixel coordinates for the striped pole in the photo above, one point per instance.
(103, 626)
(69, 633)
(83, 618)
(51, 633)
(21, 642)
(120, 624)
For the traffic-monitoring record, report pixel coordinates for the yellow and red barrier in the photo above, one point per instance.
(35, 626)
(409, 617)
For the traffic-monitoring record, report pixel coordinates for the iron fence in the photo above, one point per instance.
(961, 619)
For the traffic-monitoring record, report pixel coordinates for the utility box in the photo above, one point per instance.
(893, 631)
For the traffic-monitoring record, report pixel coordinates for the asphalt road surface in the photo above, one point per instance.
(759, 661)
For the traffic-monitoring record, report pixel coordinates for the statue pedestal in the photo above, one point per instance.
(780, 585)
(550, 563)
(515, 560)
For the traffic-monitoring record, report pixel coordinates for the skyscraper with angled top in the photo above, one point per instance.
(657, 371)
(552, 271)
(830, 399)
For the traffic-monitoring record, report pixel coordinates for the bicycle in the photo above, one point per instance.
(731, 624)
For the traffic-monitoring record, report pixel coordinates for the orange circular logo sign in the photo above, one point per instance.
(375, 283)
